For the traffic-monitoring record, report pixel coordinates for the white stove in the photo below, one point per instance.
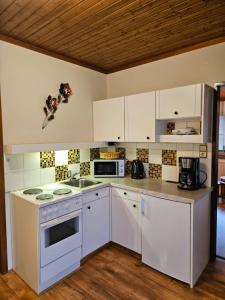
(49, 218)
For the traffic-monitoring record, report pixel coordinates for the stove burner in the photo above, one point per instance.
(44, 197)
(62, 191)
(32, 191)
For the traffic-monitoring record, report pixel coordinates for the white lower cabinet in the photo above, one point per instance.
(126, 229)
(96, 224)
(166, 236)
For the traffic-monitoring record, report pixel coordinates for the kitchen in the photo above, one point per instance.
(135, 121)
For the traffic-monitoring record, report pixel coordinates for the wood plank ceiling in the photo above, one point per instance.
(110, 35)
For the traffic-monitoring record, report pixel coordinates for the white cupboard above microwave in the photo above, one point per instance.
(144, 117)
(179, 102)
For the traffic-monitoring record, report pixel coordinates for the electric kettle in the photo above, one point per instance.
(137, 169)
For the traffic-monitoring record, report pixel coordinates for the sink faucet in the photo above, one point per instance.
(73, 176)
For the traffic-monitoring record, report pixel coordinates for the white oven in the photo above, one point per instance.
(60, 236)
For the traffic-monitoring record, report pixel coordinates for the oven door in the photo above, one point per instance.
(60, 236)
(106, 168)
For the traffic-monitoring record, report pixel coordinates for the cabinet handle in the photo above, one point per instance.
(134, 205)
(142, 207)
(176, 112)
(148, 138)
(89, 207)
(118, 137)
(124, 193)
(96, 194)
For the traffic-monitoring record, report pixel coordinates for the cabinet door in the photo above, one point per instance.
(95, 225)
(125, 223)
(181, 102)
(140, 118)
(166, 236)
(109, 120)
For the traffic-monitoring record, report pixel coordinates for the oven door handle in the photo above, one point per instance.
(59, 220)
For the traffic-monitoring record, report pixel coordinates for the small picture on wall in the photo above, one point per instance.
(52, 103)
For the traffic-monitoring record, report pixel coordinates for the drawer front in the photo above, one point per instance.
(126, 194)
(95, 195)
(60, 265)
(57, 209)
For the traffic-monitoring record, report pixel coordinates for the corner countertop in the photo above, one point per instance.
(154, 187)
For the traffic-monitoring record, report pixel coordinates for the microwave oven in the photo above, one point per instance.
(109, 168)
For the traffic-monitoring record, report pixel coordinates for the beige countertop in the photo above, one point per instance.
(154, 187)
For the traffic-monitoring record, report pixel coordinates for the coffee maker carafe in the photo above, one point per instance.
(189, 173)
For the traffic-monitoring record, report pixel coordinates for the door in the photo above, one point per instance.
(181, 102)
(166, 234)
(95, 225)
(109, 120)
(140, 117)
(125, 223)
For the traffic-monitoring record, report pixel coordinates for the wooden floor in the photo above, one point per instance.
(115, 274)
(220, 243)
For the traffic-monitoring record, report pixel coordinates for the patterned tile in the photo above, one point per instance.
(94, 153)
(61, 173)
(85, 168)
(169, 157)
(122, 152)
(142, 154)
(155, 171)
(128, 167)
(170, 127)
(73, 156)
(47, 159)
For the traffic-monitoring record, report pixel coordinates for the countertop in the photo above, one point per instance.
(154, 187)
(147, 186)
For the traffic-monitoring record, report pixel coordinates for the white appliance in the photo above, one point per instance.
(47, 235)
(109, 168)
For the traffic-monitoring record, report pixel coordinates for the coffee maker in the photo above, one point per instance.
(189, 173)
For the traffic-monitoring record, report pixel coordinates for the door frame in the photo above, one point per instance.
(3, 238)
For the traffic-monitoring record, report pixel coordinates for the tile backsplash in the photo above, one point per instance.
(33, 169)
(160, 161)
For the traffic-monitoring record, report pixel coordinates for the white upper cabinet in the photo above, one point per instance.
(109, 120)
(180, 102)
(140, 117)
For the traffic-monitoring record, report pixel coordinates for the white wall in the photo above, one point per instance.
(27, 78)
(203, 65)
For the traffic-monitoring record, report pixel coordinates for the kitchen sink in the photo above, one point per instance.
(81, 182)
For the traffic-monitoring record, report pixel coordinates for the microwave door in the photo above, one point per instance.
(105, 169)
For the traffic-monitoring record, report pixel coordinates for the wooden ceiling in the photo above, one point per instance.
(111, 35)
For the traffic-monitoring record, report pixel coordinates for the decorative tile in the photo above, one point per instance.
(85, 168)
(142, 154)
(155, 171)
(169, 157)
(47, 159)
(61, 173)
(122, 152)
(94, 153)
(128, 167)
(170, 127)
(73, 156)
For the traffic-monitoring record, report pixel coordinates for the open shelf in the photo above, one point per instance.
(171, 138)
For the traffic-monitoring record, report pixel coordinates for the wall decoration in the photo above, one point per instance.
(52, 103)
